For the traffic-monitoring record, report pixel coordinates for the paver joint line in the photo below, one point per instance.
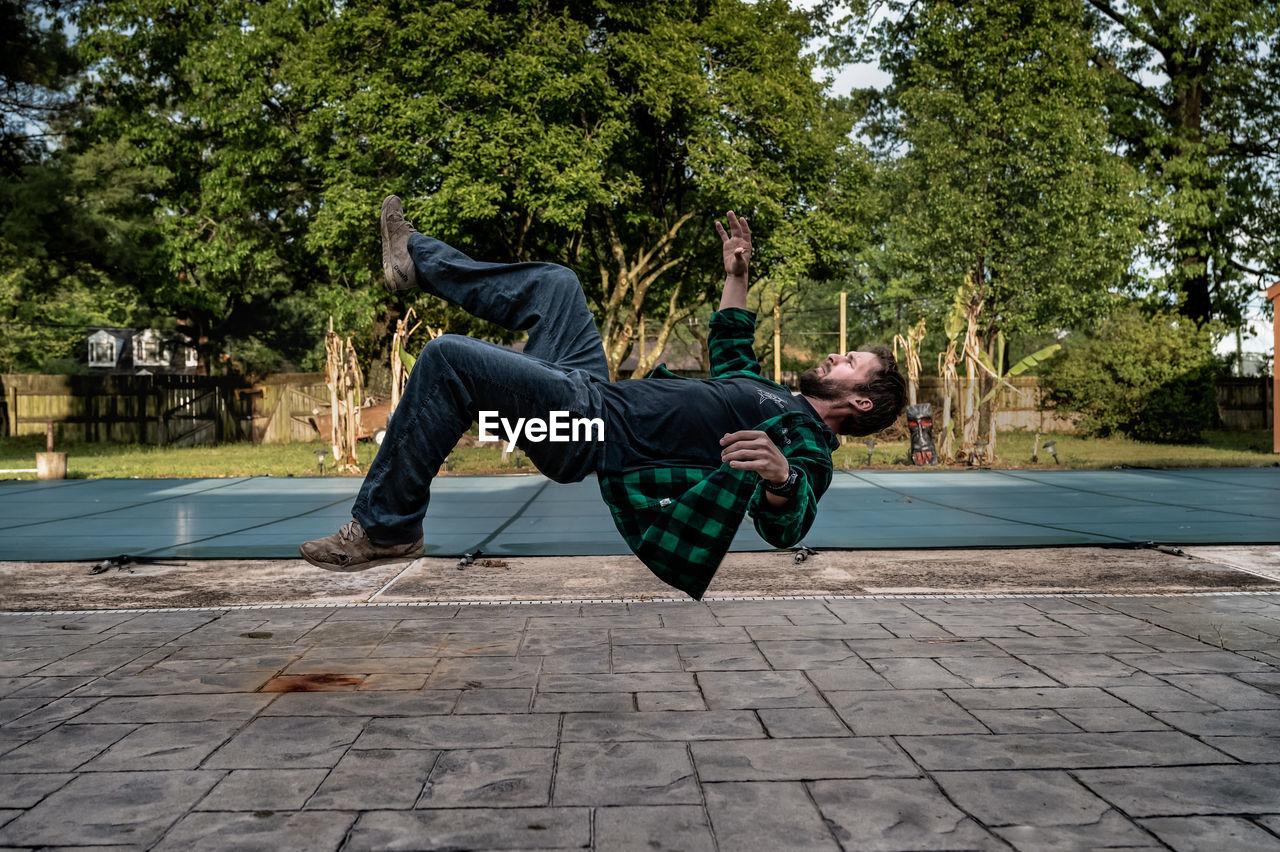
(650, 600)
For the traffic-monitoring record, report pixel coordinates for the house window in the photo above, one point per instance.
(102, 349)
(148, 350)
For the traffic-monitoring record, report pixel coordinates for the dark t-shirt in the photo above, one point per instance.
(659, 422)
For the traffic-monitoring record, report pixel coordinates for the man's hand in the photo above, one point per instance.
(752, 450)
(736, 245)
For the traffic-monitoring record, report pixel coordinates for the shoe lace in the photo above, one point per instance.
(350, 531)
(402, 218)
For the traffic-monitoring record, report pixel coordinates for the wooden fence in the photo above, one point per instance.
(170, 410)
(1243, 404)
(1019, 408)
(1246, 403)
(166, 410)
(281, 407)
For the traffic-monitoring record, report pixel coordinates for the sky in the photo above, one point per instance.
(1258, 343)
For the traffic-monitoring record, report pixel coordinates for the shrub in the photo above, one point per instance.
(1148, 377)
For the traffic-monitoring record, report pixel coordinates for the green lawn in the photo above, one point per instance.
(1221, 449)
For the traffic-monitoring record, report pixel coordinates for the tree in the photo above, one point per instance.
(1002, 174)
(194, 98)
(1194, 99)
(1148, 377)
(604, 135)
(63, 228)
(35, 64)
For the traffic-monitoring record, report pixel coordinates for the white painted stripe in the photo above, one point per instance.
(392, 581)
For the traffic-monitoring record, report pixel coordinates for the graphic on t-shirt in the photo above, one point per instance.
(763, 396)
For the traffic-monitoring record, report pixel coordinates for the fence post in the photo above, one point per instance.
(219, 411)
(144, 396)
(162, 429)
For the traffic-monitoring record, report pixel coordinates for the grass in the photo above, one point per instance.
(1220, 449)
(122, 461)
(94, 461)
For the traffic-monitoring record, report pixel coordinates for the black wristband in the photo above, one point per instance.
(785, 488)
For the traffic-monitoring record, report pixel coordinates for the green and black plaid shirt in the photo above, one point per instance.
(681, 520)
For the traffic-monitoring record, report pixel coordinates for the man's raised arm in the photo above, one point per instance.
(737, 257)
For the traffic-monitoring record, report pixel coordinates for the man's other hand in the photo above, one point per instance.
(752, 450)
(736, 244)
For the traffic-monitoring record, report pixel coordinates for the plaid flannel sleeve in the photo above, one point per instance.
(809, 454)
(731, 342)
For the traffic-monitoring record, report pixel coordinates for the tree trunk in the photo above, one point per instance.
(704, 348)
(1185, 117)
(625, 281)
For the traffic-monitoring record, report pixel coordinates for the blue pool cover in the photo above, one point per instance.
(267, 517)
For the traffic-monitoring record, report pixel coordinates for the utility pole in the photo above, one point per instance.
(777, 339)
(844, 325)
(1273, 293)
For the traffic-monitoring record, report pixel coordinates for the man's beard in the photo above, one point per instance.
(816, 386)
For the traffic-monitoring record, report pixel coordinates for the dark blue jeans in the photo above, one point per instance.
(456, 378)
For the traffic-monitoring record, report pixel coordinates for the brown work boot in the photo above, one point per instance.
(350, 549)
(397, 265)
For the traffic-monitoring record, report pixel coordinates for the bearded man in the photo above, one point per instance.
(680, 461)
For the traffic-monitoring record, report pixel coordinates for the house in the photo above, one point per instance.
(131, 351)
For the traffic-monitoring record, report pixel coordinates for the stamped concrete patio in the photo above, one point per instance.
(855, 723)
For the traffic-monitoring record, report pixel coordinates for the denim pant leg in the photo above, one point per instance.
(453, 380)
(457, 377)
(544, 299)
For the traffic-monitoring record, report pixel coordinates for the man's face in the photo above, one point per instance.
(837, 376)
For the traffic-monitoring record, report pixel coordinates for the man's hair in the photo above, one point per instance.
(886, 389)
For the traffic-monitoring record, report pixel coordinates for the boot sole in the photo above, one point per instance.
(389, 268)
(361, 566)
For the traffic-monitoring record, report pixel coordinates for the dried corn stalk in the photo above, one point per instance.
(972, 369)
(346, 392)
(911, 356)
(950, 381)
(399, 369)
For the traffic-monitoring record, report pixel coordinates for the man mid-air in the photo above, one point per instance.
(682, 460)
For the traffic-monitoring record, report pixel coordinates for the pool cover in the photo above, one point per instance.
(267, 517)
